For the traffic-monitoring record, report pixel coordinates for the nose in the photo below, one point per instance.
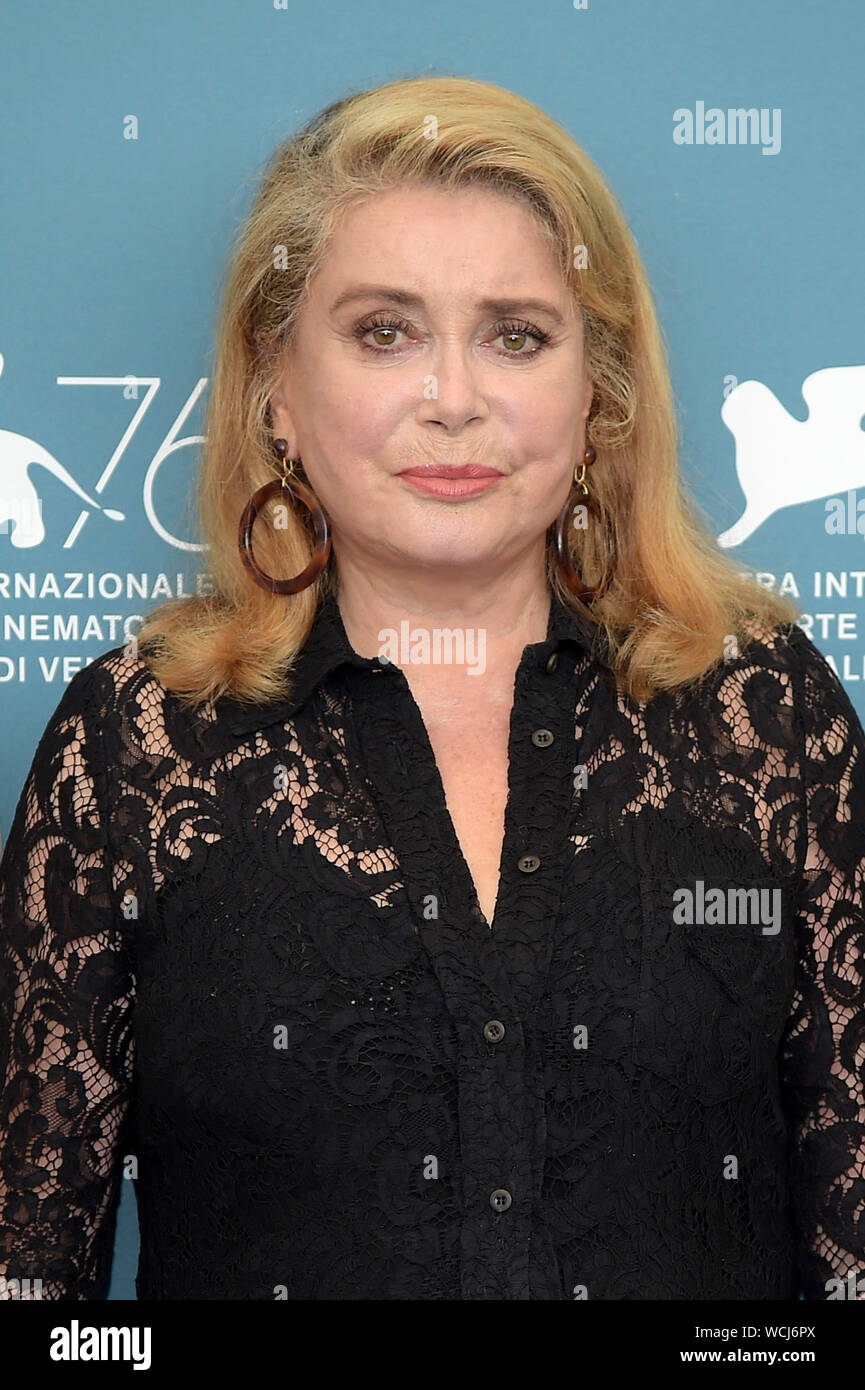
(452, 392)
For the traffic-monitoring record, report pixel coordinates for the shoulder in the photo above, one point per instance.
(123, 714)
(139, 720)
(782, 688)
(817, 686)
(784, 647)
(109, 684)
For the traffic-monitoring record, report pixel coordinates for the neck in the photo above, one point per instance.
(417, 619)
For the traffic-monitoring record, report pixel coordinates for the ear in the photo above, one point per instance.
(281, 417)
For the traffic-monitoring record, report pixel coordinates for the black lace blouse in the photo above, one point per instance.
(242, 961)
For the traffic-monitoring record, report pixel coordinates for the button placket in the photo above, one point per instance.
(495, 1117)
(544, 751)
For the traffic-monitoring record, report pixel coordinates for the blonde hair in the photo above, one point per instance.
(676, 602)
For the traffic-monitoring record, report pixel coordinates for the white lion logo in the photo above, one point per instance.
(781, 461)
(19, 500)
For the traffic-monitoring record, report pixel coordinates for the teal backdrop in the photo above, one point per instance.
(114, 250)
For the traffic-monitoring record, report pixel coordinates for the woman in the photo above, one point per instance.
(473, 914)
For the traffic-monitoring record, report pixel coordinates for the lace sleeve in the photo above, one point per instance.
(65, 1020)
(823, 1051)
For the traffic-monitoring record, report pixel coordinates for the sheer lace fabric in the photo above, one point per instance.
(243, 962)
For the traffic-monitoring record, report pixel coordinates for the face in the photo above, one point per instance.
(418, 345)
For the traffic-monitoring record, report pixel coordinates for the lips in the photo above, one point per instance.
(444, 470)
(452, 484)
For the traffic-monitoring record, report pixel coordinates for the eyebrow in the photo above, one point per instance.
(414, 301)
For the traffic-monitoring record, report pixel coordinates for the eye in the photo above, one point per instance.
(391, 325)
(520, 329)
(380, 324)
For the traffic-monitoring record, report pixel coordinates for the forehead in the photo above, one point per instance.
(422, 235)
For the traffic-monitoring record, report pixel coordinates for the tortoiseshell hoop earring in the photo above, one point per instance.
(292, 487)
(584, 592)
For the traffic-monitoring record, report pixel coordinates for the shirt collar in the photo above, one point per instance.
(327, 647)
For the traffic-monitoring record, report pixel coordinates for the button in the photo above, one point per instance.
(494, 1031)
(542, 738)
(501, 1199)
(528, 863)
(553, 662)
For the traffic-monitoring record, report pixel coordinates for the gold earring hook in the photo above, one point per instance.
(580, 470)
(288, 469)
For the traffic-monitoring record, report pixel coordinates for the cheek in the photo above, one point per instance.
(532, 405)
(360, 412)
(353, 432)
(354, 445)
(551, 420)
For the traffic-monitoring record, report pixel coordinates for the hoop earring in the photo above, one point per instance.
(291, 486)
(585, 593)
